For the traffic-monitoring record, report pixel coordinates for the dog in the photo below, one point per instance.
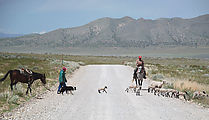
(67, 88)
(102, 89)
(132, 88)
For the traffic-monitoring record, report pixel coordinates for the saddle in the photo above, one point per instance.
(26, 72)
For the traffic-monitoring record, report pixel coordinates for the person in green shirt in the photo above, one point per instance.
(62, 79)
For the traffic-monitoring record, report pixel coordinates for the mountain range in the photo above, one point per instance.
(7, 35)
(121, 32)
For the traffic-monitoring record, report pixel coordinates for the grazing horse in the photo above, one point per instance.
(16, 76)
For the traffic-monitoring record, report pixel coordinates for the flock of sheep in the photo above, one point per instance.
(156, 88)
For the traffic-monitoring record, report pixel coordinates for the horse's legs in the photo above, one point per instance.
(141, 79)
(15, 85)
(27, 91)
(141, 82)
(11, 85)
(136, 81)
(28, 88)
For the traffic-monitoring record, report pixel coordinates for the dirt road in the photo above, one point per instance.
(88, 104)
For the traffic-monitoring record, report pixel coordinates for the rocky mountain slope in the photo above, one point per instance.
(122, 32)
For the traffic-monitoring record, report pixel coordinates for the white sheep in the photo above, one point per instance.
(156, 91)
(163, 92)
(132, 88)
(198, 94)
(151, 89)
(157, 84)
(171, 93)
(182, 94)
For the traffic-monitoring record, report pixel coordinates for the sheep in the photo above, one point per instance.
(174, 93)
(156, 91)
(155, 85)
(198, 94)
(163, 92)
(160, 91)
(158, 84)
(171, 93)
(182, 94)
(151, 89)
(131, 87)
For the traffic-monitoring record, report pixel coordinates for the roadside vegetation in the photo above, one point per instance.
(181, 73)
(37, 63)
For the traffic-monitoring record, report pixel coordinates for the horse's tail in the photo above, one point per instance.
(2, 79)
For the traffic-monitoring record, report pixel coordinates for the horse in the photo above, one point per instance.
(139, 77)
(16, 76)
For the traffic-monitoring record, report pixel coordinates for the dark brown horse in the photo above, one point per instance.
(16, 76)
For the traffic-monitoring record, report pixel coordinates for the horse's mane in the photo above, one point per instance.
(35, 74)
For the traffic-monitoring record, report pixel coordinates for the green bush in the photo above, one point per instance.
(19, 90)
(169, 86)
(158, 77)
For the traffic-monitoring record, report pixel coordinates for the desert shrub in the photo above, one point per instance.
(19, 90)
(4, 96)
(35, 68)
(154, 71)
(169, 86)
(14, 99)
(158, 77)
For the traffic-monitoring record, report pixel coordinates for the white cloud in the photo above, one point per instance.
(42, 32)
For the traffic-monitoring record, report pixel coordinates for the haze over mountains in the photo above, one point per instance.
(6, 35)
(122, 32)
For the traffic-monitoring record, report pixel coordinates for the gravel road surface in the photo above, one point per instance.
(88, 104)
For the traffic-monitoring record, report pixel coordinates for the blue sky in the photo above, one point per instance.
(29, 16)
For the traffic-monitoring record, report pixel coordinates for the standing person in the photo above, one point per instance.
(139, 62)
(62, 79)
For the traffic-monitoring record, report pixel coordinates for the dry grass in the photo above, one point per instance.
(190, 85)
(38, 63)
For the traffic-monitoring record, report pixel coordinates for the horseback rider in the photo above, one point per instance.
(62, 79)
(139, 62)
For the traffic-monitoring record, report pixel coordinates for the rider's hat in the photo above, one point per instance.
(64, 68)
(140, 57)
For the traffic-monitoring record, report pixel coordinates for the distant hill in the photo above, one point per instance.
(6, 35)
(122, 32)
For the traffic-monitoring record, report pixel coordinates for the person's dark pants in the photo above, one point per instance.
(61, 85)
(135, 70)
